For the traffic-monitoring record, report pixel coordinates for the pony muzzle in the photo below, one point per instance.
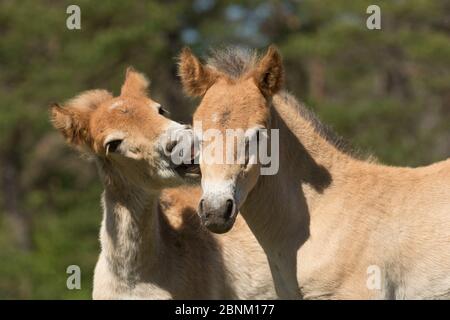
(217, 215)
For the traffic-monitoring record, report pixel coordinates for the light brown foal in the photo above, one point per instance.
(358, 229)
(152, 244)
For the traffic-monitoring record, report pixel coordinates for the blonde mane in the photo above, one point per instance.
(234, 62)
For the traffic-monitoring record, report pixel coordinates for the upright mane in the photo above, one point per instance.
(235, 62)
(323, 130)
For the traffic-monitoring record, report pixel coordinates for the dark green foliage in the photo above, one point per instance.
(387, 91)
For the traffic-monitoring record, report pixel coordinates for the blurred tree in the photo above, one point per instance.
(386, 90)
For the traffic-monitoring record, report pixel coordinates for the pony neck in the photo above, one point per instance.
(278, 209)
(130, 235)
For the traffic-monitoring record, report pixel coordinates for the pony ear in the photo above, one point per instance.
(136, 84)
(269, 74)
(72, 120)
(195, 77)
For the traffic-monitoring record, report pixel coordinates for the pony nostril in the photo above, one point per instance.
(112, 146)
(229, 209)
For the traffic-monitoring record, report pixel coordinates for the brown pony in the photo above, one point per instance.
(152, 243)
(358, 229)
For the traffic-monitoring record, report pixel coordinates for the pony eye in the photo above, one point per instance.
(247, 154)
(255, 139)
(162, 111)
(247, 151)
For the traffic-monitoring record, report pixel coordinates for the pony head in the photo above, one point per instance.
(236, 88)
(130, 136)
